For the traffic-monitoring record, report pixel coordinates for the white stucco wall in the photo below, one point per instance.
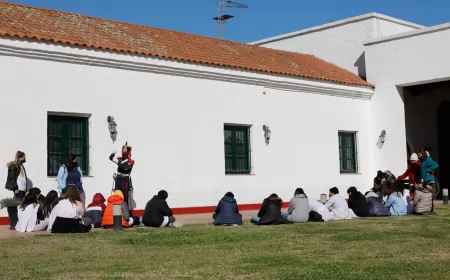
(413, 58)
(340, 45)
(175, 125)
(340, 42)
(387, 28)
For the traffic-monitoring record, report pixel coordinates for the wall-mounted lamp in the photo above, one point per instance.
(267, 132)
(112, 127)
(382, 136)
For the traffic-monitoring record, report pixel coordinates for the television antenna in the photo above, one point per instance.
(222, 17)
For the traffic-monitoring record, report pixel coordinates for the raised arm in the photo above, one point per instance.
(111, 157)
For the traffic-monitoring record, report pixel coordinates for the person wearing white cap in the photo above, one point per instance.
(412, 172)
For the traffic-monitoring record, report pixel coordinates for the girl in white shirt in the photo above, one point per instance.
(30, 215)
(67, 215)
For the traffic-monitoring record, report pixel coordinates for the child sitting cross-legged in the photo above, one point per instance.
(95, 210)
(108, 220)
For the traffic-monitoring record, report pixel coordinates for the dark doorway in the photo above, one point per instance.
(443, 131)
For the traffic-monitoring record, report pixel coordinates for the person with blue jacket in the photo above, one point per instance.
(227, 212)
(394, 201)
(427, 172)
(70, 175)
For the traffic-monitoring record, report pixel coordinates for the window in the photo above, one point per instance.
(347, 152)
(237, 149)
(66, 136)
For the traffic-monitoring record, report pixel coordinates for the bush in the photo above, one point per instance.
(9, 202)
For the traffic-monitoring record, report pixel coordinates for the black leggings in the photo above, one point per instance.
(315, 217)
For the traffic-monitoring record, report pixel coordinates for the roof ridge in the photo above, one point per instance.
(61, 27)
(334, 24)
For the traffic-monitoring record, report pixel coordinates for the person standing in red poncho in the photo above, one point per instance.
(123, 176)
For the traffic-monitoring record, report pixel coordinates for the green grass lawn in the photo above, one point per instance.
(376, 248)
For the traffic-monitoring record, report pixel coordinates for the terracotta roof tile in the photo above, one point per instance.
(74, 29)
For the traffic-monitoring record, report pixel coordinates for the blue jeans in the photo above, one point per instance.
(20, 195)
(285, 216)
(255, 219)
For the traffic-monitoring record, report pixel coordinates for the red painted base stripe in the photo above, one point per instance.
(4, 221)
(183, 210)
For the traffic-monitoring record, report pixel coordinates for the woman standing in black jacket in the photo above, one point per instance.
(157, 213)
(17, 176)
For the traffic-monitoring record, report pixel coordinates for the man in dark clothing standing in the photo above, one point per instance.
(358, 203)
(157, 213)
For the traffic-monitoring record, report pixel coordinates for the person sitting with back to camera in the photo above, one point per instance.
(375, 203)
(30, 215)
(227, 212)
(379, 183)
(96, 209)
(48, 203)
(337, 205)
(318, 213)
(394, 201)
(270, 212)
(423, 199)
(399, 187)
(357, 203)
(67, 215)
(157, 212)
(298, 210)
(108, 216)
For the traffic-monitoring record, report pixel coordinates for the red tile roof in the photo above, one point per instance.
(79, 30)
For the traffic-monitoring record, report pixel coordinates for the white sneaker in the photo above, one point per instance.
(175, 225)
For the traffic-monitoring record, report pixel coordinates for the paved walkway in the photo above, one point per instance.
(189, 219)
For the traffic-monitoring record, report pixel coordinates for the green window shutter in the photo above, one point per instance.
(85, 148)
(347, 152)
(54, 145)
(237, 150)
(66, 136)
(228, 150)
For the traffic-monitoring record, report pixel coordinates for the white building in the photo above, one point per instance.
(177, 99)
(407, 63)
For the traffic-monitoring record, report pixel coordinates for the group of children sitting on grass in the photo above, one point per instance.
(391, 200)
(388, 197)
(66, 213)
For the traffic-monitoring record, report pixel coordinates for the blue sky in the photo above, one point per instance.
(262, 19)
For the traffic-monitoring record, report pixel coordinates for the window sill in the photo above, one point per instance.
(350, 173)
(240, 174)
